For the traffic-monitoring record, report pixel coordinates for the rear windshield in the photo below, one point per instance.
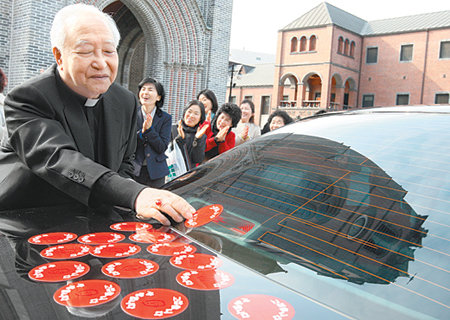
(350, 210)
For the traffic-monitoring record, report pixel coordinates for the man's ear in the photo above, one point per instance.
(58, 56)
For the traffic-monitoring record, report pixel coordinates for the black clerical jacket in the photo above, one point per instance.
(49, 158)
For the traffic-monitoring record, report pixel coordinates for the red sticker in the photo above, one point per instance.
(53, 238)
(259, 306)
(87, 293)
(66, 251)
(196, 261)
(59, 271)
(131, 226)
(150, 236)
(204, 215)
(154, 303)
(205, 280)
(130, 268)
(115, 250)
(171, 248)
(101, 238)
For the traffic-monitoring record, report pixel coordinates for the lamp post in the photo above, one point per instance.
(231, 82)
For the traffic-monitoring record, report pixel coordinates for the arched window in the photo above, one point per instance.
(346, 47)
(340, 44)
(352, 49)
(312, 43)
(294, 42)
(302, 44)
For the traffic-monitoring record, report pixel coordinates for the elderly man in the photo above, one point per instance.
(72, 130)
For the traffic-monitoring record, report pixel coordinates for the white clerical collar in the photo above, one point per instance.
(91, 102)
(152, 113)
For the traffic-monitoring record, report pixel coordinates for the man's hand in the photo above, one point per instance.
(147, 123)
(151, 202)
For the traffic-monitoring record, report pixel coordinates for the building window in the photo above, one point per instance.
(444, 52)
(372, 55)
(248, 98)
(340, 45)
(233, 99)
(302, 44)
(368, 100)
(265, 104)
(352, 49)
(441, 98)
(402, 99)
(346, 47)
(294, 42)
(406, 52)
(312, 43)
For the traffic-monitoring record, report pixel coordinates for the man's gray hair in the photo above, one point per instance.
(70, 14)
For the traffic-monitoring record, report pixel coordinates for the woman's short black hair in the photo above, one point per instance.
(159, 89)
(202, 110)
(280, 113)
(212, 97)
(232, 110)
(252, 107)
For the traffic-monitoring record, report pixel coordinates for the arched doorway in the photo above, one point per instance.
(289, 91)
(131, 48)
(312, 90)
(168, 41)
(335, 93)
(349, 94)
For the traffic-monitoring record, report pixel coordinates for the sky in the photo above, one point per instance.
(255, 23)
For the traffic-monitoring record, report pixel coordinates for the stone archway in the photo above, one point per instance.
(167, 40)
(138, 49)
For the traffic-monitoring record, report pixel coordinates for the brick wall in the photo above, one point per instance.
(29, 40)
(5, 30)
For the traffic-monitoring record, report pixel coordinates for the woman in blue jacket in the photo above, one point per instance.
(153, 135)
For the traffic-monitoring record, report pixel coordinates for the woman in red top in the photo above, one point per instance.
(219, 137)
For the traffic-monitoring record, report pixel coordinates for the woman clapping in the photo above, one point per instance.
(189, 136)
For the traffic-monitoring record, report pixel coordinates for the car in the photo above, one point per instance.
(342, 215)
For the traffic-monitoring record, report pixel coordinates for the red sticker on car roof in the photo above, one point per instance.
(171, 248)
(52, 238)
(204, 215)
(59, 271)
(66, 251)
(115, 250)
(101, 238)
(130, 268)
(196, 261)
(205, 280)
(131, 226)
(150, 236)
(260, 306)
(154, 303)
(87, 293)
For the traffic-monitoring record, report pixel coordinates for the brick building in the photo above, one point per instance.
(182, 43)
(331, 59)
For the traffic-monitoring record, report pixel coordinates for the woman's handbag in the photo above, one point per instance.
(175, 161)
